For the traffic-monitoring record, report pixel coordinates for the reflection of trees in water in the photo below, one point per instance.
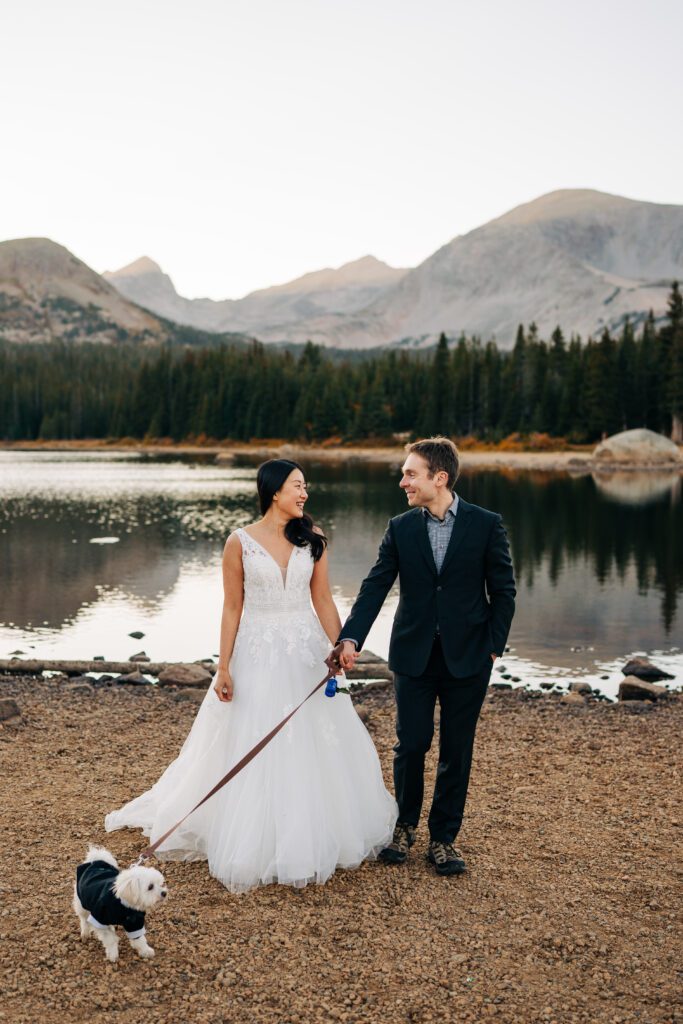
(50, 570)
(552, 520)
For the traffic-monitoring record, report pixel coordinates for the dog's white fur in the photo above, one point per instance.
(140, 887)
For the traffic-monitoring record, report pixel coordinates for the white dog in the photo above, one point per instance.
(105, 896)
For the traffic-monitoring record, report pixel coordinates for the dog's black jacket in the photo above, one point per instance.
(94, 887)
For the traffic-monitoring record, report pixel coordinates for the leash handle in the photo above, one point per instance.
(332, 662)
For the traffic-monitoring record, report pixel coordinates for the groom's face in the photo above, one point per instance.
(420, 487)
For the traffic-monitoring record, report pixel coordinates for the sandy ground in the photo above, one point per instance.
(567, 913)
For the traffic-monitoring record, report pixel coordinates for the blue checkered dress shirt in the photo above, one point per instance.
(440, 531)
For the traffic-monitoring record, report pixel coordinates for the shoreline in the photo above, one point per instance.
(573, 460)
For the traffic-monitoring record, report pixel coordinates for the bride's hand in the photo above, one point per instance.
(345, 654)
(222, 684)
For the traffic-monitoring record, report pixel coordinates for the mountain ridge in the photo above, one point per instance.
(48, 294)
(578, 257)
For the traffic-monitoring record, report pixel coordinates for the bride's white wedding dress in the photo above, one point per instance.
(314, 798)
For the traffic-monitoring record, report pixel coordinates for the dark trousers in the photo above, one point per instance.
(460, 702)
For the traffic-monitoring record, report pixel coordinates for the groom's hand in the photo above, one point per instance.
(349, 655)
(345, 655)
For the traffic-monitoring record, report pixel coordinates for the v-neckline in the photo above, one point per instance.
(273, 560)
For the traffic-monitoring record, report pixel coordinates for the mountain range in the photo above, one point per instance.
(271, 313)
(579, 258)
(576, 257)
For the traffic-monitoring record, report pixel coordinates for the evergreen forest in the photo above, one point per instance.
(561, 387)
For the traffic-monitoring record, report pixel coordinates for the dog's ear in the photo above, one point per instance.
(127, 886)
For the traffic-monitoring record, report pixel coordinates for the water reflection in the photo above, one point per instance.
(638, 488)
(53, 507)
(599, 561)
(556, 523)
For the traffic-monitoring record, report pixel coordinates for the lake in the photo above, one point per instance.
(94, 546)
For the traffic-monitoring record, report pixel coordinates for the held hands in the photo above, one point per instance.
(345, 655)
(222, 684)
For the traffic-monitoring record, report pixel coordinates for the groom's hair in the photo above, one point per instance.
(440, 454)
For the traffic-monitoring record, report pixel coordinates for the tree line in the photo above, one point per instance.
(562, 387)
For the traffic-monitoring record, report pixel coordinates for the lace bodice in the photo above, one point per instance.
(277, 615)
(267, 588)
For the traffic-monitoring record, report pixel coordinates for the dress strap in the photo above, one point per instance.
(247, 542)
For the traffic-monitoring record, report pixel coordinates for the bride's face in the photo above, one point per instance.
(292, 496)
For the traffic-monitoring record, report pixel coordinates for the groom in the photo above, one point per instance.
(457, 599)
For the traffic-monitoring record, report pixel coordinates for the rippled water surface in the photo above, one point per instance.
(94, 546)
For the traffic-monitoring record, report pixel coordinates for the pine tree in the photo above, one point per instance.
(512, 383)
(438, 409)
(675, 366)
(601, 387)
(627, 391)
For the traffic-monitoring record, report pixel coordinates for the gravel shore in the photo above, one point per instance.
(568, 912)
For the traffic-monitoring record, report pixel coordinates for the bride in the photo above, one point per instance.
(314, 798)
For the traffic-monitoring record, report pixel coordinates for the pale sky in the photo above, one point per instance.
(241, 143)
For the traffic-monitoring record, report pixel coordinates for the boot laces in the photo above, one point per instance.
(401, 838)
(444, 851)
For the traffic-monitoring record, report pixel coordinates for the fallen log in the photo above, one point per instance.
(33, 667)
(371, 667)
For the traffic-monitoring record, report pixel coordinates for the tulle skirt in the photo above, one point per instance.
(313, 800)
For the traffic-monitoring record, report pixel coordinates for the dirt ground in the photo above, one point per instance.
(568, 912)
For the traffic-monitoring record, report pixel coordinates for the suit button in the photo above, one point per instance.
(439, 588)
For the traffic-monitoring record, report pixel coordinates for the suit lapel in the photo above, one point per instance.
(423, 540)
(462, 521)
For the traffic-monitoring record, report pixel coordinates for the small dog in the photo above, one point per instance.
(105, 896)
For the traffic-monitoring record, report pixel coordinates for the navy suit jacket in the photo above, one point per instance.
(471, 600)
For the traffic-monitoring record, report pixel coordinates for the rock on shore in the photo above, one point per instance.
(638, 448)
(632, 688)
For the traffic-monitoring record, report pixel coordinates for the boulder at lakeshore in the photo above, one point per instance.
(572, 698)
(638, 448)
(644, 669)
(580, 686)
(133, 679)
(9, 710)
(140, 656)
(633, 688)
(185, 675)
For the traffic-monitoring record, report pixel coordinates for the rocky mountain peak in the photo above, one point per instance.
(141, 266)
(567, 203)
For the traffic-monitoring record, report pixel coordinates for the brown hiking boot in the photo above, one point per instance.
(397, 850)
(445, 858)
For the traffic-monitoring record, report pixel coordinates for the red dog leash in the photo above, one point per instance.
(333, 667)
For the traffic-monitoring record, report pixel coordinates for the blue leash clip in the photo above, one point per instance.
(331, 688)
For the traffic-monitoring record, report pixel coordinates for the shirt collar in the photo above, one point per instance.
(452, 508)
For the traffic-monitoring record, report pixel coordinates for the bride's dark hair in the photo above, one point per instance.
(269, 479)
